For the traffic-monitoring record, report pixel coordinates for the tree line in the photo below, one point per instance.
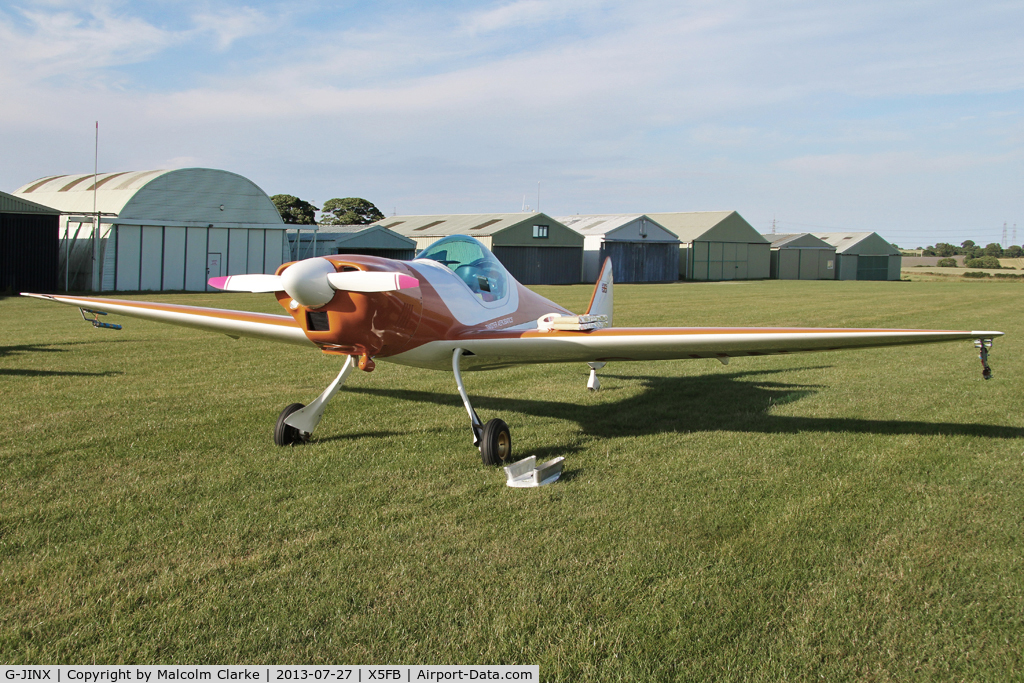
(347, 211)
(974, 255)
(971, 250)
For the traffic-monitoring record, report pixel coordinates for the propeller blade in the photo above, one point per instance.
(312, 282)
(363, 281)
(254, 282)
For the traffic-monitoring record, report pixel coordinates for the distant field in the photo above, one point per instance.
(815, 517)
(933, 273)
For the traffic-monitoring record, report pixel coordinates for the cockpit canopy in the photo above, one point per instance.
(470, 260)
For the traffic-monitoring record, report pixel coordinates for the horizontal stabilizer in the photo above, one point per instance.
(578, 323)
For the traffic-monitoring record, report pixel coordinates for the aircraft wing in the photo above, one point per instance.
(500, 349)
(279, 328)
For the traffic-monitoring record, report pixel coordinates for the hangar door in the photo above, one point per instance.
(642, 261)
(719, 261)
(805, 264)
(161, 258)
(872, 267)
(29, 252)
(542, 265)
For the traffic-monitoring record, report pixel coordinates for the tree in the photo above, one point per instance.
(993, 249)
(350, 211)
(944, 249)
(293, 210)
(947, 263)
(1014, 251)
(967, 244)
(983, 262)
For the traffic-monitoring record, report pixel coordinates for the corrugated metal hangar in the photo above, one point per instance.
(369, 240)
(29, 245)
(640, 249)
(863, 256)
(534, 247)
(802, 257)
(162, 229)
(717, 245)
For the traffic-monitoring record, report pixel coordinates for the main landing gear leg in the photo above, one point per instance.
(494, 438)
(297, 422)
(983, 345)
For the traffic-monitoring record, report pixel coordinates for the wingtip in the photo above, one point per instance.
(219, 282)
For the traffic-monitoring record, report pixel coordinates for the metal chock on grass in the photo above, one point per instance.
(526, 473)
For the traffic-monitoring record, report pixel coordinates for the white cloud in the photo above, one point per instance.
(891, 163)
(672, 102)
(230, 25)
(514, 15)
(63, 43)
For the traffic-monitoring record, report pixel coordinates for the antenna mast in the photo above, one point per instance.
(96, 275)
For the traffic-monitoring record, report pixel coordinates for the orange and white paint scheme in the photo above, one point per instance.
(455, 306)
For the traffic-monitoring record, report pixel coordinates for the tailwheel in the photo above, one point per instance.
(284, 433)
(496, 443)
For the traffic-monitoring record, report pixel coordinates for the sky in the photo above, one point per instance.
(898, 116)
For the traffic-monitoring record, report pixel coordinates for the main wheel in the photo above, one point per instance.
(284, 433)
(496, 443)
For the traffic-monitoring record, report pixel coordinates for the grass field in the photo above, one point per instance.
(853, 515)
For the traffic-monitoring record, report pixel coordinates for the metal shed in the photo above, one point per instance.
(640, 249)
(162, 229)
(863, 256)
(370, 240)
(29, 245)
(802, 257)
(534, 247)
(717, 245)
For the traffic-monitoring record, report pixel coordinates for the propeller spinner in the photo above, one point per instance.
(312, 282)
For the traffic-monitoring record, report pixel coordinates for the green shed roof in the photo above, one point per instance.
(709, 226)
(803, 240)
(866, 243)
(11, 204)
(507, 229)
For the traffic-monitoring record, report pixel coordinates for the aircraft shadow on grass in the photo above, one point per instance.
(22, 372)
(705, 403)
(53, 347)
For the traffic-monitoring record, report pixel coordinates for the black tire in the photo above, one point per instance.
(285, 434)
(496, 443)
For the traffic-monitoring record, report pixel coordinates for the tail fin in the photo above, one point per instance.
(601, 303)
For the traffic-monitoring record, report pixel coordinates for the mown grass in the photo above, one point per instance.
(849, 515)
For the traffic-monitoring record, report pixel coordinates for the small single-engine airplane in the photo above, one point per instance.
(456, 306)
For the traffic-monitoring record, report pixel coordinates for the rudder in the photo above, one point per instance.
(601, 302)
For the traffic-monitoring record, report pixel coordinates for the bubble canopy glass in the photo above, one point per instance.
(473, 263)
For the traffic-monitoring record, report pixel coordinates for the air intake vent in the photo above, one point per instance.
(316, 321)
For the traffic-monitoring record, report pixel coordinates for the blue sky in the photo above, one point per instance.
(896, 116)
